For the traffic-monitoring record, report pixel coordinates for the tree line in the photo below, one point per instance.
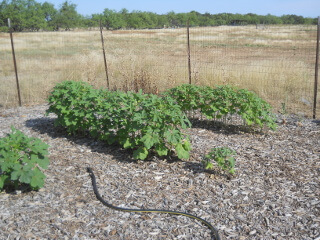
(29, 15)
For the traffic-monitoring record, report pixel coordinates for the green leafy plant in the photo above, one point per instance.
(283, 108)
(22, 159)
(73, 103)
(219, 102)
(223, 156)
(142, 122)
(189, 97)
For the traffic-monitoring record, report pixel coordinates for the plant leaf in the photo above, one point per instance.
(141, 153)
(127, 143)
(181, 152)
(149, 140)
(161, 150)
(3, 179)
(37, 180)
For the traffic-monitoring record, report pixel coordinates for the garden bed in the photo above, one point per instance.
(275, 193)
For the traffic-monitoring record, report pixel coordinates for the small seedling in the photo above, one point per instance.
(283, 108)
(223, 156)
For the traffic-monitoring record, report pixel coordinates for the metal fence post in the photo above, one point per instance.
(316, 72)
(104, 56)
(14, 62)
(189, 53)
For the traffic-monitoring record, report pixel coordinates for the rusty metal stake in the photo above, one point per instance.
(189, 52)
(104, 56)
(14, 62)
(316, 73)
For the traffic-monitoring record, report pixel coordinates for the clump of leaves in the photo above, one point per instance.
(222, 101)
(22, 159)
(73, 103)
(189, 97)
(142, 122)
(223, 156)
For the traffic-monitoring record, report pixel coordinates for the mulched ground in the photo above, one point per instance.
(275, 193)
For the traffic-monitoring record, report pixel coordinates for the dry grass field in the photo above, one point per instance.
(277, 62)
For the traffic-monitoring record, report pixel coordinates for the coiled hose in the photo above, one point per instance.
(214, 231)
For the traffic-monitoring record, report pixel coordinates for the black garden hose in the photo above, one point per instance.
(215, 235)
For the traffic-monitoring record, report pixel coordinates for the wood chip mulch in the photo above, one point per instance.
(275, 193)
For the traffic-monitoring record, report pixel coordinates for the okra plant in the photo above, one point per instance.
(73, 103)
(222, 101)
(223, 156)
(22, 160)
(142, 122)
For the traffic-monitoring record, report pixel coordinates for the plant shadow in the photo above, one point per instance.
(197, 167)
(46, 125)
(13, 189)
(223, 128)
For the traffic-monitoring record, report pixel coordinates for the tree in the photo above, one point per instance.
(29, 15)
(270, 19)
(134, 20)
(310, 21)
(15, 10)
(172, 19)
(206, 20)
(292, 19)
(92, 21)
(146, 20)
(113, 19)
(24, 14)
(3, 22)
(220, 19)
(193, 18)
(34, 16)
(67, 16)
(251, 18)
(162, 21)
(49, 13)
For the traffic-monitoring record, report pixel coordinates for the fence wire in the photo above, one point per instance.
(276, 62)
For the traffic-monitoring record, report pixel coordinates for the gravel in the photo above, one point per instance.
(275, 193)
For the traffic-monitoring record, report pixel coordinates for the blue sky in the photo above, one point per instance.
(305, 8)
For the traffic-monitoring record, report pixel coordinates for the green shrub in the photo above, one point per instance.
(223, 157)
(189, 97)
(4, 29)
(222, 101)
(142, 122)
(22, 159)
(73, 103)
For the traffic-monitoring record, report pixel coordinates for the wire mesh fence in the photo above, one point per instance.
(277, 62)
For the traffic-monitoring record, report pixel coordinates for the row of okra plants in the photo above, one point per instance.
(222, 101)
(149, 123)
(143, 122)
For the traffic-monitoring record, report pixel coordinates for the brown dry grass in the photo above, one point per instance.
(277, 62)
